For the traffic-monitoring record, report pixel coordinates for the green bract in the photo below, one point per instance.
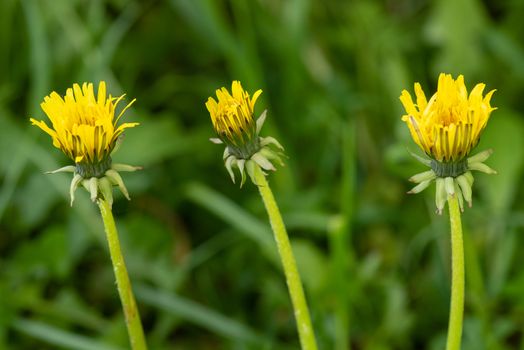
(451, 178)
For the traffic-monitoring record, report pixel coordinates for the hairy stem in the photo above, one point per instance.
(305, 330)
(456, 313)
(133, 323)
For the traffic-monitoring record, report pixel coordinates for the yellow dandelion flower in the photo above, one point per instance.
(449, 125)
(84, 127)
(232, 119)
(447, 128)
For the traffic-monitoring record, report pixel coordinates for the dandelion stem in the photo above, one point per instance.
(133, 323)
(305, 330)
(457, 277)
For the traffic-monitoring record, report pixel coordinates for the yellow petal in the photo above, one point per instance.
(449, 125)
(211, 105)
(42, 125)
(124, 109)
(476, 94)
(421, 98)
(255, 98)
(406, 100)
(236, 90)
(102, 93)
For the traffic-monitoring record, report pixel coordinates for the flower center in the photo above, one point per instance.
(449, 169)
(88, 170)
(447, 115)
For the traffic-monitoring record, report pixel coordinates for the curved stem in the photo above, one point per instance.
(457, 277)
(294, 284)
(133, 323)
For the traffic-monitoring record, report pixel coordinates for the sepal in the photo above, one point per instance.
(459, 196)
(115, 178)
(420, 187)
(465, 187)
(425, 161)
(251, 169)
(74, 185)
(441, 195)
(262, 161)
(261, 120)
(230, 162)
(65, 169)
(92, 186)
(241, 164)
(272, 155)
(476, 162)
(266, 141)
(106, 190)
(99, 186)
(449, 186)
(480, 157)
(422, 177)
(125, 167)
(482, 168)
(263, 152)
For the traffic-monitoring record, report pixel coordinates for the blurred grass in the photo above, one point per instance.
(375, 262)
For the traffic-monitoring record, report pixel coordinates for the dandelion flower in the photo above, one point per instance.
(84, 128)
(447, 128)
(232, 118)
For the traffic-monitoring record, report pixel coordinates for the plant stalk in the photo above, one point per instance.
(456, 313)
(133, 323)
(294, 284)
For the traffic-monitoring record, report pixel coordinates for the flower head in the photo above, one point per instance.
(232, 118)
(447, 128)
(84, 127)
(449, 125)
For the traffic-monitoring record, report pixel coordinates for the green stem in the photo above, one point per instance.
(457, 277)
(294, 284)
(133, 323)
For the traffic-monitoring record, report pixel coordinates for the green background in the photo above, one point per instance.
(375, 261)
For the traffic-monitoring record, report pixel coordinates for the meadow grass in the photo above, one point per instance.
(374, 261)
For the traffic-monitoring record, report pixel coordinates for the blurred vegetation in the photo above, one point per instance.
(375, 261)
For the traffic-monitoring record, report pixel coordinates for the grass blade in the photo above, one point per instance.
(197, 314)
(58, 337)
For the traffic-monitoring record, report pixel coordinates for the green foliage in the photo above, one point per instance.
(375, 261)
